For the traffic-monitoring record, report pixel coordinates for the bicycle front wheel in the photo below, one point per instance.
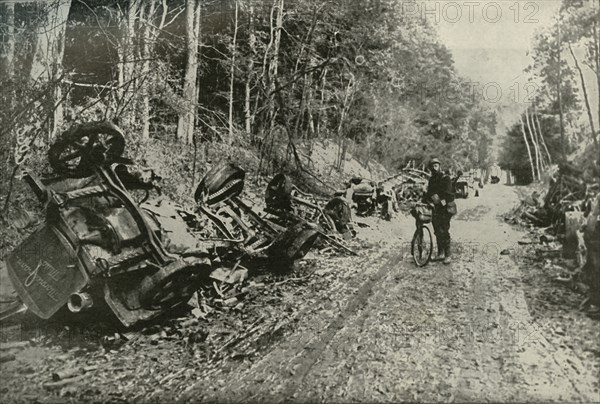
(422, 246)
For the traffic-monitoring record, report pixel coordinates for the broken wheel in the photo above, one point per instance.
(278, 195)
(222, 182)
(338, 210)
(173, 284)
(78, 150)
(327, 223)
(293, 244)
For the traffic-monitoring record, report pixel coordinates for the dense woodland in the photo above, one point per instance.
(262, 75)
(184, 77)
(559, 120)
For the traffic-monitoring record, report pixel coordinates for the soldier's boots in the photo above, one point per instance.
(447, 258)
(440, 253)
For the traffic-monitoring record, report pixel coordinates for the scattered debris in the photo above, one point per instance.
(565, 223)
(461, 184)
(291, 207)
(6, 346)
(56, 385)
(68, 373)
(141, 254)
(6, 357)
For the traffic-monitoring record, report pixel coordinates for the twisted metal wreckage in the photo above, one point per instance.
(105, 238)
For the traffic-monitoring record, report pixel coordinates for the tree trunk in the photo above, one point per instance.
(596, 48)
(321, 103)
(560, 106)
(187, 117)
(536, 150)
(306, 42)
(48, 55)
(130, 57)
(309, 133)
(527, 145)
(543, 141)
(7, 58)
(264, 74)
(232, 73)
(585, 96)
(302, 107)
(307, 76)
(248, 116)
(122, 55)
(49, 44)
(345, 107)
(274, 63)
(148, 47)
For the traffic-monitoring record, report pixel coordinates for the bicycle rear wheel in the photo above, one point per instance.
(422, 246)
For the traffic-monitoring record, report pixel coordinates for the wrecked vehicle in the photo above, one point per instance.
(105, 240)
(363, 194)
(288, 203)
(411, 185)
(100, 244)
(218, 197)
(461, 185)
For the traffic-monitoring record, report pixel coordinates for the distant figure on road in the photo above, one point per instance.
(441, 193)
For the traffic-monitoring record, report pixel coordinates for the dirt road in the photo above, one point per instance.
(368, 328)
(460, 332)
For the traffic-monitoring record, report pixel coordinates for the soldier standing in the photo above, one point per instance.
(441, 195)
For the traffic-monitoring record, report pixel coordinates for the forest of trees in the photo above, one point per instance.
(271, 75)
(363, 74)
(559, 120)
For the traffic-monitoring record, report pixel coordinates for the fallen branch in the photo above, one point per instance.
(292, 280)
(336, 243)
(62, 383)
(5, 346)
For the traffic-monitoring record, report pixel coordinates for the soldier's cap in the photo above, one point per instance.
(433, 161)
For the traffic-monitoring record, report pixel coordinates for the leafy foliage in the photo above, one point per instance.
(363, 74)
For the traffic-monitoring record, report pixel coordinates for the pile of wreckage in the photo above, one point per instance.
(566, 217)
(370, 198)
(410, 184)
(111, 240)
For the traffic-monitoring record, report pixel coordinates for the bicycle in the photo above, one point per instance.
(422, 243)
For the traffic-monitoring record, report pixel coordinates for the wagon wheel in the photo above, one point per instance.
(173, 284)
(339, 212)
(77, 151)
(327, 223)
(303, 243)
(222, 182)
(292, 245)
(278, 195)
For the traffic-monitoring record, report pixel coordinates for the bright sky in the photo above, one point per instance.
(490, 39)
(491, 42)
(492, 24)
